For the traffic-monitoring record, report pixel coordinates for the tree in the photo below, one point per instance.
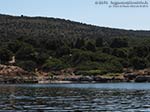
(80, 56)
(113, 66)
(141, 51)
(90, 46)
(27, 65)
(64, 50)
(41, 57)
(119, 43)
(53, 64)
(79, 43)
(119, 52)
(53, 44)
(5, 55)
(26, 52)
(99, 42)
(138, 63)
(107, 50)
(88, 65)
(14, 46)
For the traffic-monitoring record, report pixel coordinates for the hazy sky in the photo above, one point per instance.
(85, 11)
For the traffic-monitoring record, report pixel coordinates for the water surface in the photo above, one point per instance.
(108, 97)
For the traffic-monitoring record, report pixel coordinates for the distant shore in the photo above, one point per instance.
(16, 75)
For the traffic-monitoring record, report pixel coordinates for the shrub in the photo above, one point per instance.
(119, 43)
(102, 57)
(120, 53)
(27, 65)
(14, 46)
(107, 50)
(54, 64)
(141, 51)
(88, 66)
(99, 42)
(26, 52)
(64, 50)
(114, 66)
(41, 57)
(90, 46)
(5, 55)
(79, 43)
(89, 72)
(80, 56)
(138, 63)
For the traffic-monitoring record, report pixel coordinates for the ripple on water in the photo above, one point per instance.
(55, 99)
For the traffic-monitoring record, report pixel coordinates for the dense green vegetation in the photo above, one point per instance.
(53, 44)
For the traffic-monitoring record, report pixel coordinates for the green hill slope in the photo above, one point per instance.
(52, 44)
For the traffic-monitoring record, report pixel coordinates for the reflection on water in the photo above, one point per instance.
(71, 98)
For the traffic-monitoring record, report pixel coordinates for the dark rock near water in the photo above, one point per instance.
(130, 76)
(101, 80)
(86, 78)
(142, 79)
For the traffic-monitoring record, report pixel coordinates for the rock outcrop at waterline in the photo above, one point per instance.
(11, 70)
(142, 79)
(14, 74)
(138, 75)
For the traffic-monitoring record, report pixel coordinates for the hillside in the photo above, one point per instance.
(52, 44)
(15, 26)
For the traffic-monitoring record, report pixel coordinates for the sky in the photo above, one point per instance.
(85, 11)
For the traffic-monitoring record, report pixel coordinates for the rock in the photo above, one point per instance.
(12, 70)
(72, 79)
(117, 80)
(14, 74)
(101, 80)
(142, 79)
(86, 78)
(130, 76)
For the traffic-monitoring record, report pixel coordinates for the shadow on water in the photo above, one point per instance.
(74, 98)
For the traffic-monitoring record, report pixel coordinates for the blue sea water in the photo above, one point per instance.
(104, 97)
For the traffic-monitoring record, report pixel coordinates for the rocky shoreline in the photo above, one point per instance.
(13, 74)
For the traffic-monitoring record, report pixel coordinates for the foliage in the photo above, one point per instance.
(28, 65)
(90, 72)
(5, 55)
(79, 43)
(14, 46)
(88, 65)
(54, 44)
(119, 43)
(122, 53)
(26, 52)
(99, 42)
(139, 63)
(80, 56)
(141, 51)
(90, 46)
(54, 64)
(113, 66)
